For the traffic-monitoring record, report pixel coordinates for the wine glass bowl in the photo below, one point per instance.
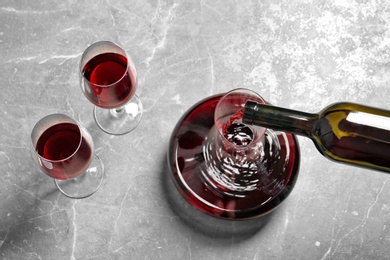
(63, 150)
(109, 81)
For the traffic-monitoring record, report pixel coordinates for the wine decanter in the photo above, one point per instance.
(345, 132)
(228, 169)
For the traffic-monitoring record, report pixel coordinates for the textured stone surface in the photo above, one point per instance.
(296, 54)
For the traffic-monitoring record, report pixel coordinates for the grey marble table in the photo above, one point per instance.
(301, 54)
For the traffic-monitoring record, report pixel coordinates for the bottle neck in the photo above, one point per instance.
(278, 118)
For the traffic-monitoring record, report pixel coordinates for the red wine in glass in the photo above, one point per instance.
(109, 81)
(70, 153)
(112, 82)
(63, 150)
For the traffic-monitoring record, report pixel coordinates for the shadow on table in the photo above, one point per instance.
(203, 223)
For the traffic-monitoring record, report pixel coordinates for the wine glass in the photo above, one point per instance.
(109, 80)
(63, 149)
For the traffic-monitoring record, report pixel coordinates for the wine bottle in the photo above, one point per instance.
(345, 132)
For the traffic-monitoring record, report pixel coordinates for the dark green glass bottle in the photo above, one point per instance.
(344, 132)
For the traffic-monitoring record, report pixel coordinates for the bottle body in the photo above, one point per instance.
(344, 132)
(354, 134)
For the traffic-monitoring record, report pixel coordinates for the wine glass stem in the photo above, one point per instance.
(117, 112)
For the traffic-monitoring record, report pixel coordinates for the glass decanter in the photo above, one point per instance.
(227, 169)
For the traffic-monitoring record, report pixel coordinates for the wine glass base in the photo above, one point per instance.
(186, 160)
(85, 184)
(122, 120)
